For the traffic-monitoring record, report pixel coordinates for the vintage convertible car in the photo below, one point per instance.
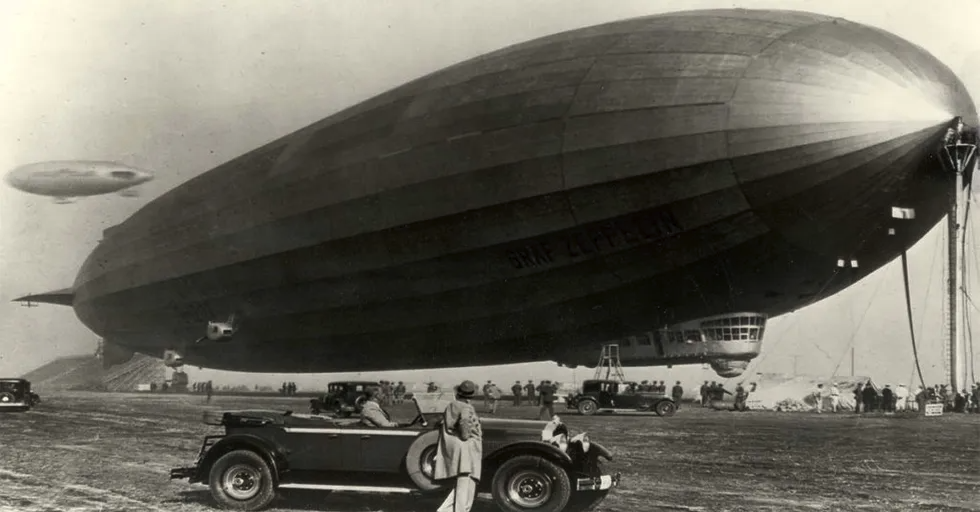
(527, 465)
(16, 395)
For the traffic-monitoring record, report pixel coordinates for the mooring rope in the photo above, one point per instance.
(908, 307)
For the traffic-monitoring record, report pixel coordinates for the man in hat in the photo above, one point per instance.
(486, 396)
(494, 395)
(887, 399)
(547, 399)
(372, 415)
(677, 393)
(459, 453)
(516, 390)
(529, 391)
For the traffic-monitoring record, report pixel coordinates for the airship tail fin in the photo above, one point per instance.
(63, 297)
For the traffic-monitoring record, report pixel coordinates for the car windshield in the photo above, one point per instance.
(431, 405)
(11, 386)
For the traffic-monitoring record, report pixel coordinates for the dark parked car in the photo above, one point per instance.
(16, 395)
(264, 451)
(610, 395)
(342, 398)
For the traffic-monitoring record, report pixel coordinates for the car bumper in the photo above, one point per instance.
(597, 483)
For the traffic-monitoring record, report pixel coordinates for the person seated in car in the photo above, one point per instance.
(372, 415)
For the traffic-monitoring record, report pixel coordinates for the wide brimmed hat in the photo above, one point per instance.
(466, 389)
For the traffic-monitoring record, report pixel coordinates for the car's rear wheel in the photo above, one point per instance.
(241, 480)
(529, 482)
(666, 408)
(587, 407)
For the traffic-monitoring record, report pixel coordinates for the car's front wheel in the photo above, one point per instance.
(529, 482)
(241, 480)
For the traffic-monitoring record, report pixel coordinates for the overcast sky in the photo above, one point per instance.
(179, 87)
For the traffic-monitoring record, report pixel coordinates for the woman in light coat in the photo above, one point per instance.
(459, 454)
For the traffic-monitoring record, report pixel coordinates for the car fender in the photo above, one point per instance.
(548, 451)
(272, 454)
(603, 451)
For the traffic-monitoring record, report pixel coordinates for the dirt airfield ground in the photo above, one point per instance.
(112, 452)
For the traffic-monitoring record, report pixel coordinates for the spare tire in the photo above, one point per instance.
(419, 462)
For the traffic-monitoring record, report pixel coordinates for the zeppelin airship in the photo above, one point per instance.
(673, 180)
(65, 180)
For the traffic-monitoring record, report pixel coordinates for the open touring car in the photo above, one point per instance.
(527, 465)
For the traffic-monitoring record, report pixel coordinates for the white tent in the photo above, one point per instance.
(778, 392)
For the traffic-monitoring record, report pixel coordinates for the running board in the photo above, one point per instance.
(351, 488)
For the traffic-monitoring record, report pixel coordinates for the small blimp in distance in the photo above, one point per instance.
(68, 179)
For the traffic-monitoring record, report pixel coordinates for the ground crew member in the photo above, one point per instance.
(834, 397)
(740, 396)
(547, 400)
(400, 392)
(486, 396)
(372, 415)
(901, 398)
(677, 393)
(209, 389)
(887, 397)
(857, 398)
(819, 395)
(494, 396)
(868, 397)
(516, 390)
(704, 394)
(529, 391)
(459, 453)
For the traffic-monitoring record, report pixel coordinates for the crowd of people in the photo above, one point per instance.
(868, 398)
(391, 393)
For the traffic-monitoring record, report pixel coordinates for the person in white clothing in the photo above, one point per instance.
(818, 396)
(834, 397)
(901, 398)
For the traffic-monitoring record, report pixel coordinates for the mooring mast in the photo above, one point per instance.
(960, 151)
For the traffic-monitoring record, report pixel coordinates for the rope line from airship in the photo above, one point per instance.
(795, 319)
(857, 328)
(908, 307)
(966, 277)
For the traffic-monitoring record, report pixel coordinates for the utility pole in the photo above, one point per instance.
(852, 361)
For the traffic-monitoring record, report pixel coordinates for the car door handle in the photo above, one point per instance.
(366, 437)
(333, 436)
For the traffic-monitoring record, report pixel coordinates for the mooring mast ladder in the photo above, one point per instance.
(609, 362)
